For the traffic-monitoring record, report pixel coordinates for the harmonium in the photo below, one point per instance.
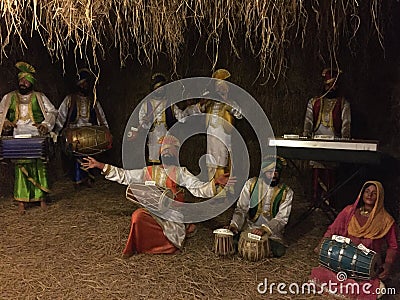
(327, 149)
(24, 147)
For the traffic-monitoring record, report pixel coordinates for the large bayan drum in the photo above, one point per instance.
(223, 242)
(253, 247)
(340, 254)
(87, 140)
(24, 148)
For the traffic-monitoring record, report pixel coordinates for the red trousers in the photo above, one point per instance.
(146, 236)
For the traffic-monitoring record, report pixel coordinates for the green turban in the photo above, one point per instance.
(271, 163)
(26, 71)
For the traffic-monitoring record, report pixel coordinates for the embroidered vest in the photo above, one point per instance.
(335, 114)
(168, 116)
(279, 195)
(34, 111)
(166, 180)
(223, 112)
(74, 112)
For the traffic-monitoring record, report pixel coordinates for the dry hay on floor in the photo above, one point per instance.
(73, 251)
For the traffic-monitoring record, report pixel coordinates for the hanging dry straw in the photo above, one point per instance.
(145, 28)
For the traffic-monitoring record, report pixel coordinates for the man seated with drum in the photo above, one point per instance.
(365, 222)
(149, 233)
(264, 206)
(28, 113)
(76, 111)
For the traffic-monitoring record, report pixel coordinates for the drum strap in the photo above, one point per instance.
(100, 120)
(71, 107)
(39, 186)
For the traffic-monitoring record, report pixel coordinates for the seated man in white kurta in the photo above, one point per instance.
(149, 233)
(264, 205)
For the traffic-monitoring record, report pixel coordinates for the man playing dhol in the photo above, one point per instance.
(149, 233)
(78, 110)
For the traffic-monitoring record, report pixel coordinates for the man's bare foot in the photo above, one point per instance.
(43, 204)
(191, 230)
(21, 208)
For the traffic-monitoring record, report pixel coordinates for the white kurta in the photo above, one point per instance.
(157, 120)
(24, 124)
(218, 138)
(275, 224)
(83, 112)
(174, 231)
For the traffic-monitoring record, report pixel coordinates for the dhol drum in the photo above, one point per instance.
(340, 254)
(24, 148)
(223, 242)
(87, 140)
(253, 247)
(152, 197)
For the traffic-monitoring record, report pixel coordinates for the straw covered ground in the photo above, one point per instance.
(73, 251)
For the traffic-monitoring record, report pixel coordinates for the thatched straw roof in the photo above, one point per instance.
(143, 29)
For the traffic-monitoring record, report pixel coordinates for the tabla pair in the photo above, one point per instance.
(251, 247)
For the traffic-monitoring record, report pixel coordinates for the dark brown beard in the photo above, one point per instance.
(23, 90)
(169, 160)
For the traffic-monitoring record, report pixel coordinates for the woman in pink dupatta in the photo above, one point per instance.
(366, 222)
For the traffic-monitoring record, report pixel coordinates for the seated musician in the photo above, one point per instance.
(264, 205)
(76, 111)
(367, 222)
(149, 233)
(327, 115)
(28, 112)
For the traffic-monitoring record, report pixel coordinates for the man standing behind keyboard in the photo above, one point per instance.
(327, 116)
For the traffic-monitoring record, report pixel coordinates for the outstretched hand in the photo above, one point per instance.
(225, 180)
(90, 163)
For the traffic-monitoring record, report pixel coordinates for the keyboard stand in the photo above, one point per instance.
(323, 202)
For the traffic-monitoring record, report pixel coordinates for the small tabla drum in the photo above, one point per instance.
(152, 197)
(253, 247)
(24, 148)
(87, 140)
(223, 242)
(340, 254)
